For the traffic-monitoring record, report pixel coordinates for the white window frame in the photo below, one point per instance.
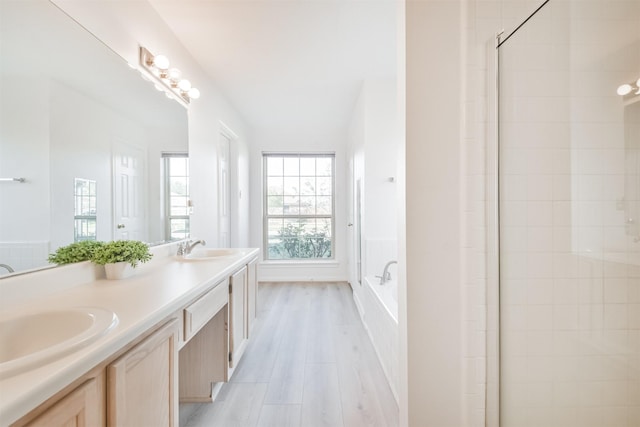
(82, 217)
(167, 196)
(267, 216)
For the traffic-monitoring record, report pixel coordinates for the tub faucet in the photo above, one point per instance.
(185, 248)
(8, 267)
(386, 275)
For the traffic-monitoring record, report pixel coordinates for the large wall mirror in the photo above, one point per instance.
(85, 132)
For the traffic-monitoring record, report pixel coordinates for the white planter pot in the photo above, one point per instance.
(119, 270)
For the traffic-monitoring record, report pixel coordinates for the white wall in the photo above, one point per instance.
(124, 26)
(431, 386)
(268, 140)
(380, 165)
(372, 149)
(82, 132)
(24, 112)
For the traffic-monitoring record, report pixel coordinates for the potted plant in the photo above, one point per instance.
(120, 257)
(75, 252)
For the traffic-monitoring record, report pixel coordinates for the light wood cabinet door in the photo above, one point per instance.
(252, 294)
(80, 408)
(237, 316)
(142, 385)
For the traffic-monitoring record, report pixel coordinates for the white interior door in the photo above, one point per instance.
(224, 218)
(129, 170)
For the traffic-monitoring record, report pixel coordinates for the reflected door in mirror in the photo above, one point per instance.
(129, 172)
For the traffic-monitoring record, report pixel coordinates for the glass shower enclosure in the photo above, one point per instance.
(569, 216)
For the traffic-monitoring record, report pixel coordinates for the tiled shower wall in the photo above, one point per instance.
(23, 255)
(576, 182)
(570, 334)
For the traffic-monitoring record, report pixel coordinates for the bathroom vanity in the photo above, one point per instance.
(182, 327)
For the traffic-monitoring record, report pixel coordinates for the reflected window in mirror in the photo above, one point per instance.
(85, 210)
(177, 203)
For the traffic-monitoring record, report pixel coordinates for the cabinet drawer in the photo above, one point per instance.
(201, 311)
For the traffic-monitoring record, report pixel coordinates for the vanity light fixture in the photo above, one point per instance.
(170, 79)
(629, 88)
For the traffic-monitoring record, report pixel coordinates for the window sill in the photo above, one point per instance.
(300, 263)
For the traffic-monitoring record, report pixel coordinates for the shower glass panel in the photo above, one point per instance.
(570, 217)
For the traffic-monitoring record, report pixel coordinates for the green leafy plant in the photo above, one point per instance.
(75, 252)
(131, 251)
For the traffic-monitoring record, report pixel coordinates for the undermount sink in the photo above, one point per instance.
(29, 340)
(210, 254)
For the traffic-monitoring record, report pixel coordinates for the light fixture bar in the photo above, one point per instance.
(157, 68)
(629, 90)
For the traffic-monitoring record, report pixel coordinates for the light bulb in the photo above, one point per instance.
(161, 62)
(624, 89)
(184, 85)
(193, 93)
(174, 74)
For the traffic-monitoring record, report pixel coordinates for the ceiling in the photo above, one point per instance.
(288, 64)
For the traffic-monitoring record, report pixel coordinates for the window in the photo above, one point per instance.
(299, 206)
(85, 210)
(177, 203)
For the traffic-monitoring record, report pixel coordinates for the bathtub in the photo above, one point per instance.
(387, 295)
(380, 317)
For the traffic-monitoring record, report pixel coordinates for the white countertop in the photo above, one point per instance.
(140, 302)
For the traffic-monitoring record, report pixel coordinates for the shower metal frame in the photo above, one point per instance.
(499, 41)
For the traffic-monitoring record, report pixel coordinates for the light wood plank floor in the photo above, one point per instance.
(309, 363)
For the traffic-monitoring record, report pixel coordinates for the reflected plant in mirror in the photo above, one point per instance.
(75, 252)
(73, 114)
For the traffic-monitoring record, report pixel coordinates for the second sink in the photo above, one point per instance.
(212, 254)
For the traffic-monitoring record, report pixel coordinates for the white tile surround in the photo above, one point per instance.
(23, 255)
(570, 271)
(482, 20)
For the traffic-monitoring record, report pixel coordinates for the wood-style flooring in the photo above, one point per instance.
(309, 362)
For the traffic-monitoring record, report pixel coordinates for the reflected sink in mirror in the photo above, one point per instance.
(30, 340)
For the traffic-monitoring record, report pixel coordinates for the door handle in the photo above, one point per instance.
(120, 226)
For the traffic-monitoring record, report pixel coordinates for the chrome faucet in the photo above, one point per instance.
(185, 248)
(386, 275)
(8, 267)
